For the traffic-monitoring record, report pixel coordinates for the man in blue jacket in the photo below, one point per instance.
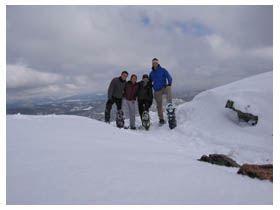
(162, 82)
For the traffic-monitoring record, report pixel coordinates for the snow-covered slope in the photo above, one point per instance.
(76, 160)
(207, 123)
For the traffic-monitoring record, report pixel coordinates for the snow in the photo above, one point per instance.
(88, 108)
(76, 160)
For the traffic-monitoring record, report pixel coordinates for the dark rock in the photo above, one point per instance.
(257, 171)
(242, 116)
(219, 159)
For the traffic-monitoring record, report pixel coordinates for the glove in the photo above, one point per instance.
(169, 84)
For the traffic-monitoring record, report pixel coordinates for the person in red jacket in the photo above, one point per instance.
(130, 93)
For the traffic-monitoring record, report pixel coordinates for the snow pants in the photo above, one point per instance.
(129, 111)
(109, 104)
(143, 105)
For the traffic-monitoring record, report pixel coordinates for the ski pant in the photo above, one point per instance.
(109, 104)
(129, 111)
(158, 98)
(143, 105)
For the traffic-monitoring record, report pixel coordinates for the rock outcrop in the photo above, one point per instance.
(242, 116)
(219, 159)
(257, 171)
(261, 172)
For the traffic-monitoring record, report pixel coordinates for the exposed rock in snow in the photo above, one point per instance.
(257, 171)
(219, 159)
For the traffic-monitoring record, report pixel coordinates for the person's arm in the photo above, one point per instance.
(151, 96)
(151, 78)
(111, 89)
(124, 90)
(169, 78)
(136, 92)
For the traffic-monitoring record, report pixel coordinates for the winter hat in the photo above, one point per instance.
(145, 76)
(155, 60)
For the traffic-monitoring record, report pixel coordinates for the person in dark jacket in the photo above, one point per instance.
(130, 94)
(115, 94)
(162, 82)
(145, 95)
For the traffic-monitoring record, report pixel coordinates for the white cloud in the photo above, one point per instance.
(20, 76)
(221, 48)
(85, 46)
(265, 52)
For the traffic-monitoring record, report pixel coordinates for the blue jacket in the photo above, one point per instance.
(159, 77)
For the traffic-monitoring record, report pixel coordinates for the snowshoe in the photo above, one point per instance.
(120, 119)
(146, 120)
(171, 116)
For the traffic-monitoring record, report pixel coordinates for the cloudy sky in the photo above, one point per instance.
(66, 50)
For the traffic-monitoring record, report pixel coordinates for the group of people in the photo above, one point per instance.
(125, 94)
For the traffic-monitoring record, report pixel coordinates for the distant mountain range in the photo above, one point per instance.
(52, 99)
(91, 105)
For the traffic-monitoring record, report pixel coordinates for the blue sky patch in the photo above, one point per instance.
(145, 20)
(191, 28)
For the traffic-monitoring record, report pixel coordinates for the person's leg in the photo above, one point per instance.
(118, 102)
(140, 108)
(125, 108)
(168, 92)
(131, 114)
(119, 114)
(146, 108)
(108, 110)
(158, 98)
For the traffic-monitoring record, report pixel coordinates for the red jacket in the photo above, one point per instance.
(130, 91)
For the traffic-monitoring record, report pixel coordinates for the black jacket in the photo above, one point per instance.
(145, 93)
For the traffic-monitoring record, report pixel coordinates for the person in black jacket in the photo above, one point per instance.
(145, 95)
(115, 94)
